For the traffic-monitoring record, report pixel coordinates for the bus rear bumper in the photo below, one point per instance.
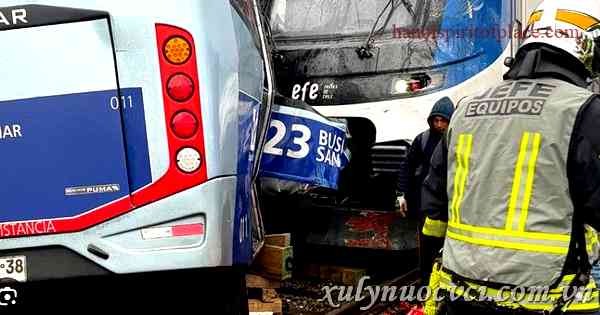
(189, 230)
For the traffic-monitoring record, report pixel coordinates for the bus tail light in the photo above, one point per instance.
(189, 160)
(180, 87)
(184, 124)
(183, 116)
(177, 50)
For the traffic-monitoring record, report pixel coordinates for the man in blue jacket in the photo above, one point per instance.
(416, 168)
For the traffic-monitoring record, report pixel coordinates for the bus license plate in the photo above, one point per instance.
(14, 267)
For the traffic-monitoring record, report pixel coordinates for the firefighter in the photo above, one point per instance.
(515, 185)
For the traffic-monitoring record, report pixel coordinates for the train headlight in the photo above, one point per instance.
(417, 83)
(400, 86)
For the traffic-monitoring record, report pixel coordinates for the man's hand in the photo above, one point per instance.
(401, 206)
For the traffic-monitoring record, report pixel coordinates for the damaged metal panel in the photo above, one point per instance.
(367, 229)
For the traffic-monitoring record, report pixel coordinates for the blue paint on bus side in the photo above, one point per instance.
(242, 240)
(64, 155)
(138, 157)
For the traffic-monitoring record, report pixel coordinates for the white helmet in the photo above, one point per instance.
(571, 25)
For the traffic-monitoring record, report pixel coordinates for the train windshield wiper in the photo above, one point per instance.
(365, 50)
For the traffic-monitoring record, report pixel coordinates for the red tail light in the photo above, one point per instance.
(183, 117)
(180, 87)
(184, 125)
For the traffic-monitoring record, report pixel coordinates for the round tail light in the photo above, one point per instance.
(184, 124)
(177, 50)
(180, 87)
(189, 160)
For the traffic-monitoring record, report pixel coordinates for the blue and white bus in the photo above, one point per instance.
(382, 64)
(129, 133)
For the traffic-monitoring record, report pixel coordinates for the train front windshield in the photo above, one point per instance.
(444, 41)
(297, 20)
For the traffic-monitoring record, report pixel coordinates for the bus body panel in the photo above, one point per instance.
(211, 203)
(137, 60)
(230, 86)
(53, 167)
(250, 69)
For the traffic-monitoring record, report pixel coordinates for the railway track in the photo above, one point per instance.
(407, 279)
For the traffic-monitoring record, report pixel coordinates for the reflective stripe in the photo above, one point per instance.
(536, 299)
(529, 154)
(590, 246)
(579, 19)
(537, 142)
(510, 237)
(585, 307)
(591, 243)
(591, 240)
(434, 228)
(434, 284)
(502, 232)
(554, 293)
(457, 175)
(535, 248)
(535, 17)
(514, 195)
(465, 174)
(462, 172)
(581, 305)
